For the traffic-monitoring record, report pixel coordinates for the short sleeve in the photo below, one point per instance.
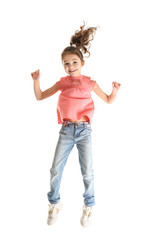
(92, 84)
(59, 85)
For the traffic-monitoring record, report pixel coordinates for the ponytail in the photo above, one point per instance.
(80, 42)
(82, 38)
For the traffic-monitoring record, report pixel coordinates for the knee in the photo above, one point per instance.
(88, 177)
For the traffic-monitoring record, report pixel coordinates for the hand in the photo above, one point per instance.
(36, 75)
(116, 85)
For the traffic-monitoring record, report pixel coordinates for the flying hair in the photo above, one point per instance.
(80, 42)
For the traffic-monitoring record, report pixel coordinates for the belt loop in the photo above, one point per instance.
(65, 123)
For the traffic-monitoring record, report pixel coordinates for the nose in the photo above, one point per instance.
(70, 66)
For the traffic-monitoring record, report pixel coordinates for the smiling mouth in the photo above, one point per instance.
(72, 71)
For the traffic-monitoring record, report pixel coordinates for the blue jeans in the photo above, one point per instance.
(71, 134)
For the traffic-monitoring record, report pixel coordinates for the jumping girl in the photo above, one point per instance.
(75, 109)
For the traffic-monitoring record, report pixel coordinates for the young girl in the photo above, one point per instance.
(75, 110)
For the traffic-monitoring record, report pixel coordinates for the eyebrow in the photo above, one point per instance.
(71, 60)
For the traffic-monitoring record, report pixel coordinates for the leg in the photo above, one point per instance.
(84, 147)
(63, 149)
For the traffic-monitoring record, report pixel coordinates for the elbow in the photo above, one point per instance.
(39, 98)
(109, 100)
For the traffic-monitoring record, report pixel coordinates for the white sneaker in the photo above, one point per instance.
(86, 216)
(53, 212)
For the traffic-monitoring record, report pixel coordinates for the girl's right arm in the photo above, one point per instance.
(38, 93)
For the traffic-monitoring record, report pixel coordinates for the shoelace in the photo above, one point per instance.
(87, 211)
(53, 209)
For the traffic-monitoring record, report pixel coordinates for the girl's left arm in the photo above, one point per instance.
(107, 98)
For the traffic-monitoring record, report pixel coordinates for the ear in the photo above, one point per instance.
(83, 63)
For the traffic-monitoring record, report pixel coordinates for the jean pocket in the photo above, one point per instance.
(64, 130)
(88, 127)
(86, 130)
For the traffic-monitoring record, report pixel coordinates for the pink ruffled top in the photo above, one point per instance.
(75, 99)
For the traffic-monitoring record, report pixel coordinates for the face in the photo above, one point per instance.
(72, 65)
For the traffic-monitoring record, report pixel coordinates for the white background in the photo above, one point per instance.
(33, 35)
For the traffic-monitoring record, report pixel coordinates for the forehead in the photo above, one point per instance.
(70, 57)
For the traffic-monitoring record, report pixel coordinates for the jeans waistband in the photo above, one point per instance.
(66, 123)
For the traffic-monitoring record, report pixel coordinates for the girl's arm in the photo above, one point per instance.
(107, 98)
(38, 93)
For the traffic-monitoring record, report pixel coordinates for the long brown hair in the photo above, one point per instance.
(80, 42)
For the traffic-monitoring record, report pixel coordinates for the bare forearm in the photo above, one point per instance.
(111, 98)
(37, 90)
(107, 98)
(40, 95)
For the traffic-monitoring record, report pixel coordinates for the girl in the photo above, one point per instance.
(75, 110)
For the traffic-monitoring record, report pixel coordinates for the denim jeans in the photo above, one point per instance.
(69, 135)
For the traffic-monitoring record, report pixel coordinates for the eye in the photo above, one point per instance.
(75, 62)
(66, 64)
